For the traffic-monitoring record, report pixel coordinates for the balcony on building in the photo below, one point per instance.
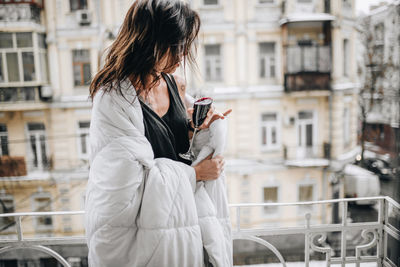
(14, 11)
(307, 51)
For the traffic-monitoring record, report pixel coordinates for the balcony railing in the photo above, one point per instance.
(375, 236)
(308, 67)
(21, 11)
(12, 166)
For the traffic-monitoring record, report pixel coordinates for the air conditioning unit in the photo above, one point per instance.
(84, 17)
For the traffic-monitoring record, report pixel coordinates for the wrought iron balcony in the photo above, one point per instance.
(12, 166)
(376, 236)
(20, 11)
(308, 67)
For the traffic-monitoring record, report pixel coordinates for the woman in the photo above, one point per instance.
(144, 204)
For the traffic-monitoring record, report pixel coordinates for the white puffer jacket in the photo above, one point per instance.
(142, 211)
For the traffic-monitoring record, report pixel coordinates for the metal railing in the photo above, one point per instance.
(308, 58)
(375, 234)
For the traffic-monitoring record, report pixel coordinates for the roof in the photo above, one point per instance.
(307, 162)
(301, 17)
(357, 171)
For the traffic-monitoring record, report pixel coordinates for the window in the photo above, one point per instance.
(305, 131)
(38, 146)
(269, 131)
(210, 2)
(12, 94)
(3, 140)
(270, 196)
(77, 4)
(83, 139)
(17, 58)
(267, 60)
(306, 193)
(42, 203)
(379, 31)
(346, 127)
(327, 6)
(81, 67)
(74, 262)
(346, 59)
(347, 3)
(213, 62)
(7, 205)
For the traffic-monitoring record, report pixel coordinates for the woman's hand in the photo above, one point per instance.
(212, 115)
(209, 168)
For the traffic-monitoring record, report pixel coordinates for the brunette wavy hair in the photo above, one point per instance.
(152, 29)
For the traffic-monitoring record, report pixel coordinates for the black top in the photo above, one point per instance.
(168, 135)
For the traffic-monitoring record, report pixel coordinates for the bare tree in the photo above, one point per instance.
(378, 71)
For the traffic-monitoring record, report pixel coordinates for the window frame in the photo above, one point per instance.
(346, 60)
(210, 5)
(273, 2)
(213, 64)
(303, 151)
(81, 64)
(38, 226)
(5, 134)
(81, 8)
(3, 197)
(268, 125)
(41, 164)
(301, 209)
(267, 59)
(39, 65)
(83, 131)
(274, 211)
(346, 126)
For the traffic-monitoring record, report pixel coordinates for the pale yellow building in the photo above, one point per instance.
(287, 69)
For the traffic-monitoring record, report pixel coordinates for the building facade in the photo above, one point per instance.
(382, 120)
(288, 71)
(286, 68)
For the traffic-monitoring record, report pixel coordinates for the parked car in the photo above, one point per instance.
(360, 182)
(380, 167)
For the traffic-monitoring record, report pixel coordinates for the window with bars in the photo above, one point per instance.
(83, 139)
(213, 62)
(17, 57)
(42, 203)
(38, 146)
(78, 4)
(267, 60)
(3, 139)
(13, 94)
(270, 131)
(81, 67)
(270, 196)
(7, 205)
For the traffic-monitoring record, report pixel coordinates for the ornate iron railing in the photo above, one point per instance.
(375, 234)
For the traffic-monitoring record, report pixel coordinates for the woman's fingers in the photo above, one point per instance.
(213, 115)
(226, 113)
(189, 112)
